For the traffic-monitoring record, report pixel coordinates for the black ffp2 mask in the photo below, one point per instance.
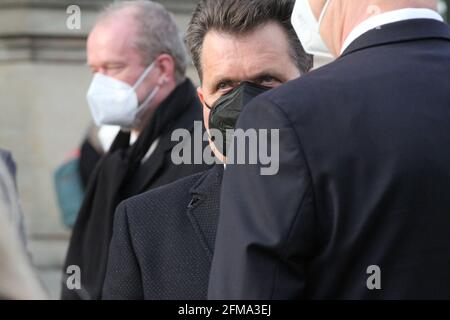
(226, 110)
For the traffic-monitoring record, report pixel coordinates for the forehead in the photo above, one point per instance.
(241, 57)
(112, 40)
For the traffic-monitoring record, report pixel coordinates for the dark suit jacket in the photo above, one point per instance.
(364, 179)
(163, 241)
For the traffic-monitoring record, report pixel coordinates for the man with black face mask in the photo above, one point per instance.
(163, 240)
(226, 110)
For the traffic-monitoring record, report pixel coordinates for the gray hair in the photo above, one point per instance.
(158, 32)
(238, 17)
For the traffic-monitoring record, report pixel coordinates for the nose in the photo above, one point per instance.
(102, 71)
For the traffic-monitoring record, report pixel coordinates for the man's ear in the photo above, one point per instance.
(200, 95)
(167, 66)
(205, 108)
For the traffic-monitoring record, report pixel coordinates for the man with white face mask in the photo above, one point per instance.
(139, 61)
(360, 206)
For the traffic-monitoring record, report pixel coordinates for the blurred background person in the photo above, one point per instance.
(72, 177)
(18, 279)
(163, 240)
(9, 168)
(139, 61)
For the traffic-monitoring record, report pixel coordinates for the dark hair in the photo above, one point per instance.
(240, 17)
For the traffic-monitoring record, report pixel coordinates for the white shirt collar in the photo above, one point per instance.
(386, 18)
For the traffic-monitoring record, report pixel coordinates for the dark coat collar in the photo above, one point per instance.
(191, 112)
(409, 30)
(184, 101)
(210, 177)
(204, 208)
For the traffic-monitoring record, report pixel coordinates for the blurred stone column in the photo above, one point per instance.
(44, 115)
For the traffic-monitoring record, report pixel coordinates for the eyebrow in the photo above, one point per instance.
(110, 63)
(266, 73)
(261, 75)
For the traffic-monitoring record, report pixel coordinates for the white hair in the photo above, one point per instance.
(157, 32)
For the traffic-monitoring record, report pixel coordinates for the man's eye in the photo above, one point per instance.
(115, 68)
(223, 86)
(268, 81)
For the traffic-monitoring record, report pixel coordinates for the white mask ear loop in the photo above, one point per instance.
(146, 102)
(152, 95)
(324, 11)
(144, 75)
(149, 99)
(140, 110)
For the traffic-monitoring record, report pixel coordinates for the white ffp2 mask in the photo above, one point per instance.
(114, 102)
(308, 28)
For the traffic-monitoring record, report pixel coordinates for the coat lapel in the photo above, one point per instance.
(153, 165)
(203, 211)
(161, 155)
